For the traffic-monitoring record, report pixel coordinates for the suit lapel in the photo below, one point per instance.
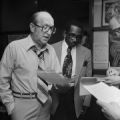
(79, 64)
(79, 59)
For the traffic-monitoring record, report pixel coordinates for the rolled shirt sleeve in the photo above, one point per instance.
(6, 68)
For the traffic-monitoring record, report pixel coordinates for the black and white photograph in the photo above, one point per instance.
(59, 59)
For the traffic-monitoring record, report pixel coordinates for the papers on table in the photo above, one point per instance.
(55, 78)
(102, 91)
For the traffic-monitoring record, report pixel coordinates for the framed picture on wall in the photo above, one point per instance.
(105, 5)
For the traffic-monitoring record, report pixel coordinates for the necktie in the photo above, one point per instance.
(67, 65)
(42, 91)
(40, 56)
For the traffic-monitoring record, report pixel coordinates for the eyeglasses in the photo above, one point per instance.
(46, 28)
(72, 35)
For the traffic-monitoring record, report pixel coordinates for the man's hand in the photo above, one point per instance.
(112, 72)
(110, 110)
(63, 88)
(113, 77)
(112, 80)
(10, 107)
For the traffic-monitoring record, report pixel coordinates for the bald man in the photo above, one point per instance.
(24, 94)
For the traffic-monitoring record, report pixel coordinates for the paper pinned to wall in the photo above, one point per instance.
(101, 50)
(100, 53)
(101, 37)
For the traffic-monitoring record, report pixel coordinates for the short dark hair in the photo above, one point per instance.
(75, 23)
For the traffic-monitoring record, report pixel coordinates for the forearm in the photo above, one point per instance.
(5, 88)
(6, 68)
(7, 99)
(6, 94)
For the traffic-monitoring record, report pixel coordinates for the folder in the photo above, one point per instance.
(56, 78)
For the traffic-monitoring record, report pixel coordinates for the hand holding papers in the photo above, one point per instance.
(113, 77)
(112, 80)
(61, 83)
(102, 91)
(112, 72)
(55, 78)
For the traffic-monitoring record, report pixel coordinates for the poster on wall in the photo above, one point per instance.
(100, 50)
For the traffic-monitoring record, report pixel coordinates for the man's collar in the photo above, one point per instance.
(64, 43)
(31, 44)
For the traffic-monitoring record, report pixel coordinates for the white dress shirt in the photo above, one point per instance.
(19, 68)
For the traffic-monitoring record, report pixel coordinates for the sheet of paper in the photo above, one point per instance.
(83, 91)
(104, 92)
(55, 78)
(100, 49)
(86, 80)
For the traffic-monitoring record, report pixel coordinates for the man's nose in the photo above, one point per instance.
(73, 39)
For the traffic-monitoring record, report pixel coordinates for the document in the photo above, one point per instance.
(55, 78)
(83, 91)
(100, 50)
(83, 81)
(102, 91)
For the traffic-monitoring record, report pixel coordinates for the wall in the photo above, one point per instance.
(15, 16)
(15, 13)
(100, 38)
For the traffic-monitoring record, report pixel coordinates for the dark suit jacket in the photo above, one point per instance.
(83, 68)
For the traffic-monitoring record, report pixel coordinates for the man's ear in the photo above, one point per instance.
(32, 27)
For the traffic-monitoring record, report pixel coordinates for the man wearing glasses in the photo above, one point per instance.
(24, 94)
(70, 50)
(112, 110)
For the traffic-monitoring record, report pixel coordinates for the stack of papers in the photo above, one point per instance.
(101, 90)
